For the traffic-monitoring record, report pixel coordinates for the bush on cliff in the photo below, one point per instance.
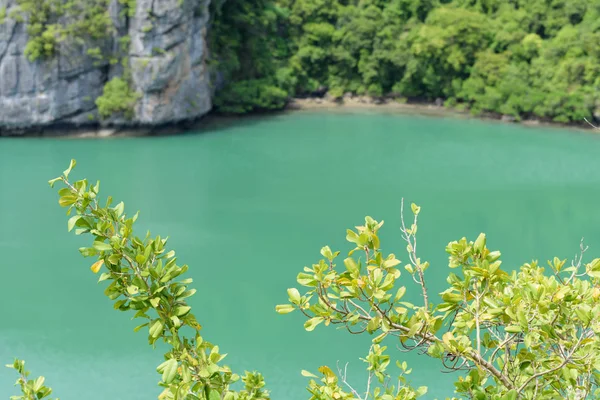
(117, 98)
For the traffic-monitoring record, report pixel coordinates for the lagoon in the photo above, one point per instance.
(247, 204)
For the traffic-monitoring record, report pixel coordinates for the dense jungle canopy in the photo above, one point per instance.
(524, 58)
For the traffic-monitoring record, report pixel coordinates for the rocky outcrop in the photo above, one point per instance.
(166, 59)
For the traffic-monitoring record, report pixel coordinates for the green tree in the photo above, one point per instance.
(144, 278)
(532, 333)
(247, 53)
(443, 51)
(526, 334)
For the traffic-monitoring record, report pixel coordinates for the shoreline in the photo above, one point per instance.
(347, 104)
(421, 108)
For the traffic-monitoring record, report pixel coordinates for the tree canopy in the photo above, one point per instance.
(521, 58)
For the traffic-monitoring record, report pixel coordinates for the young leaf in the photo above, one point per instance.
(307, 374)
(67, 171)
(312, 323)
(415, 208)
(284, 308)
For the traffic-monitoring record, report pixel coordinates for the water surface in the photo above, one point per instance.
(247, 205)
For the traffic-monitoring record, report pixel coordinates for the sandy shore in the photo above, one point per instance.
(420, 108)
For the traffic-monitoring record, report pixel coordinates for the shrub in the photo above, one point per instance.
(526, 334)
(117, 97)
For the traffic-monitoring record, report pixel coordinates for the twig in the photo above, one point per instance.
(551, 370)
(477, 327)
(576, 263)
(413, 254)
(343, 376)
(368, 385)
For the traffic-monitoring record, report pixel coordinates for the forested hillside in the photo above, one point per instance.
(516, 57)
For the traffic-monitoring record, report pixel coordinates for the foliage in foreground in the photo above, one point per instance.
(31, 389)
(144, 278)
(519, 335)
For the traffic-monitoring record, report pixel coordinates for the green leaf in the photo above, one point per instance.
(187, 294)
(101, 246)
(351, 266)
(513, 329)
(479, 243)
(38, 383)
(170, 254)
(307, 374)
(326, 252)
(88, 251)
(169, 371)
(132, 289)
(51, 182)
(373, 325)
(182, 310)
(306, 279)
(66, 201)
(391, 263)
(284, 308)
(351, 236)
(594, 274)
(67, 171)
(72, 221)
(583, 315)
(400, 293)
(214, 395)
(415, 208)
(156, 329)
(104, 276)
(294, 295)
(312, 323)
(155, 301)
(137, 328)
(379, 338)
(119, 208)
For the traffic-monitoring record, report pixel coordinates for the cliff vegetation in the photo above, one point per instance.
(88, 23)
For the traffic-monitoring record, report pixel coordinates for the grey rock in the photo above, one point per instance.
(167, 59)
(9, 78)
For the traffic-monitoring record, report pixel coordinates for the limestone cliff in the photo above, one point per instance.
(165, 59)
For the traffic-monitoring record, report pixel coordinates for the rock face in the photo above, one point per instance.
(166, 57)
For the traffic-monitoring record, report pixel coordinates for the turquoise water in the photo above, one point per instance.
(247, 205)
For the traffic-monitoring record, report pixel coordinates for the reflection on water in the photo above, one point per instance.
(247, 206)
